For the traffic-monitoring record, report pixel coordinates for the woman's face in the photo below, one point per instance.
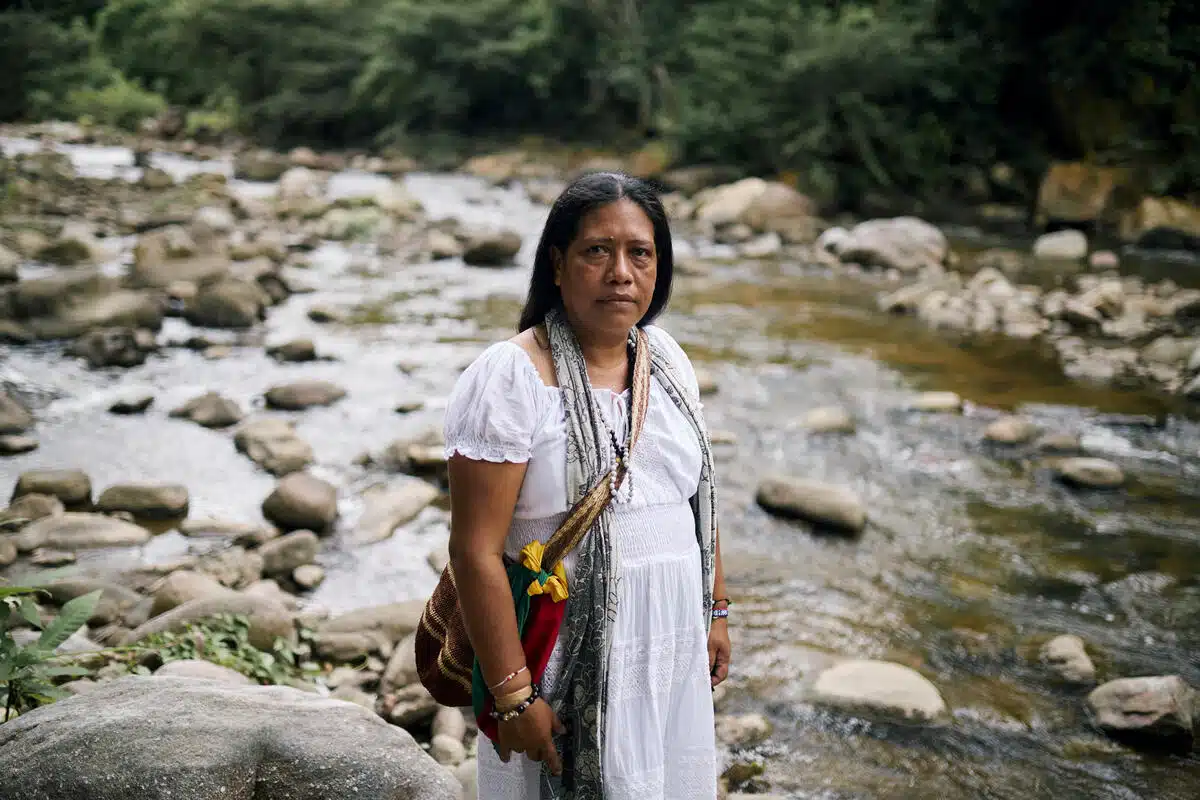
(608, 272)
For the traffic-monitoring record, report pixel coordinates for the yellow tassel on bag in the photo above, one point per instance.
(553, 584)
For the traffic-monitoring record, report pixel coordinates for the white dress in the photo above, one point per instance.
(659, 742)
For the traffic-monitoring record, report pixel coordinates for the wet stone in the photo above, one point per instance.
(133, 404)
(16, 444)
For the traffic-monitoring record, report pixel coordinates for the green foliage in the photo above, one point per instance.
(27, 672)
(288, 64)
(225, 640)
(120, 103)
(40, 61)
(913, 98)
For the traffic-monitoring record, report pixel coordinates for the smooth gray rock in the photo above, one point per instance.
(1090, 473)
(154, 738)
(389, 507)
(302, 501)
(151, 501)
(268, 619)
(300, 395)
(272, 443)
(71, 486)
(76, 530)
(202, 670)
(880, 687)
(210, 410)
(819, 503)
(281, 556)
(1068, 658)
(1157, 707)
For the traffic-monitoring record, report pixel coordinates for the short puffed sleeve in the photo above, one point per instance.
(494, 409)
(678, 358)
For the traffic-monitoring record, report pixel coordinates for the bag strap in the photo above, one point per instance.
(579, 521)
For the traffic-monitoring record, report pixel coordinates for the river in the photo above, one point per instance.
(972, 557)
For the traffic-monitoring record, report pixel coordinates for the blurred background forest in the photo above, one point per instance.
(901, 98)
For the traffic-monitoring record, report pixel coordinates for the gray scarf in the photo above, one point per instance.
(580, 699)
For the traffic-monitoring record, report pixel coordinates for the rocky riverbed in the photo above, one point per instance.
(224, 378)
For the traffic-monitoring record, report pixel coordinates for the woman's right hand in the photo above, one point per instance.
(532, 733)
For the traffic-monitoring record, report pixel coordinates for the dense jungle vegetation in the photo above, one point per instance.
(851, 97)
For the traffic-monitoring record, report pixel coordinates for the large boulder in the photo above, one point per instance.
(190, 739)
(906, 244)
(1077, 192)
(1146, 708)
(301, 501)
(76, 530)
(1163, 222)
(880, 687)
(762, 205)
(820, 503)
(201, 670)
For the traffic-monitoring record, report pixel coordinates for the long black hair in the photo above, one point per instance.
(583, 195)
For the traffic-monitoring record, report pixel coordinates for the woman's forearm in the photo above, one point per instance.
(485, 597)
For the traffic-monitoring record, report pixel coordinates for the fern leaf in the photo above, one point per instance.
(29, 611)
(73, 616)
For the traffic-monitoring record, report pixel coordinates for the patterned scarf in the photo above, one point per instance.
(580, 699)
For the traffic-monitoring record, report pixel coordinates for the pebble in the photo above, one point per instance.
(938, 402)
(16, 444)
(308, 576)
(1010, 430)
(133, 404)
(1067, 656)
(828, 420)
(1090, 473)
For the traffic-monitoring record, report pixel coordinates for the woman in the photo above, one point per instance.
(626, 706)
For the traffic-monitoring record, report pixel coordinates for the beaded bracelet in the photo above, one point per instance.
(513, 713)
(507, 678)
(720, 613)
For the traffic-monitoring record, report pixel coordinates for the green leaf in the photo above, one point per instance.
(73, 616)
(11, 591)
(29, 611)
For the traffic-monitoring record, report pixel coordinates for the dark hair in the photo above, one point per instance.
(583, 195)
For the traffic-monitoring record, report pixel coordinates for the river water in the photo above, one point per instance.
(972, 558)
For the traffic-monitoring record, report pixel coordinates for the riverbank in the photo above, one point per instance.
(974, 554)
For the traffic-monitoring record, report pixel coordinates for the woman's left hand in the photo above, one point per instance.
(719, 649)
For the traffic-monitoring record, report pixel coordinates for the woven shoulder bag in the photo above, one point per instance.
(445, 659)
